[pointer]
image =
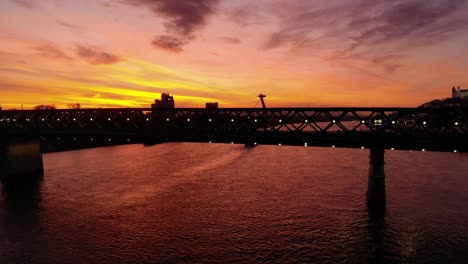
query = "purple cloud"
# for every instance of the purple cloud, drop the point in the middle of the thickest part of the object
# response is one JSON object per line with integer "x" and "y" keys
{"x": 169, "y": 43}
{"x": 182, "y": 19}
{"x": 94, "y": 55}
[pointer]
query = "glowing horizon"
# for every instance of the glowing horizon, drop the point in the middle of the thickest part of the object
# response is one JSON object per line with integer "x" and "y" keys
{"x": 125, "y": 53}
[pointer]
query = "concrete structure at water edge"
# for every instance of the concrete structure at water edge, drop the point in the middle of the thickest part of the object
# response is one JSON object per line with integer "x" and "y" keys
{"x": 376, "y": 197}
{"x": 20, "y": 158}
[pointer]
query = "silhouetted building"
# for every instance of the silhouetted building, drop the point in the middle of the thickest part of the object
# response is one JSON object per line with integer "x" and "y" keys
{"x": 167, "y": 101}
{"x": 459, "y": 93}
{"x": 211, "y": 105}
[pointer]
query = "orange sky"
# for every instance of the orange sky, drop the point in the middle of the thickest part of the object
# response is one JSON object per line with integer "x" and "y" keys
{"x": 124, "y": 53}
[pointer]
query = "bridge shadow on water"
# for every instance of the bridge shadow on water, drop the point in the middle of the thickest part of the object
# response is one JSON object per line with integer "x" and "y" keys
{"x": 24, "y": 194}
{"x": 376, "y": 233}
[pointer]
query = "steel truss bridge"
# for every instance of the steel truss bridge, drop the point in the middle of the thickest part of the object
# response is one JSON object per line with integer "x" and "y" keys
{"x": 443, "y": 129}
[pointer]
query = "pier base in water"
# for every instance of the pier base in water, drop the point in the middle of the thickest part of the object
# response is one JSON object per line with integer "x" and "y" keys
{"x": 19, "y": 159}
{"x": 376, "y": 197}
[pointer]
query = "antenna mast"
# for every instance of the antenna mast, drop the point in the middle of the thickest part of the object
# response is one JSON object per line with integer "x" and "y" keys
{"x": 261, "y": 96}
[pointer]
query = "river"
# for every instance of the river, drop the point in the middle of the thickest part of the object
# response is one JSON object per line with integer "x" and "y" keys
{"x": 223, "y": 203}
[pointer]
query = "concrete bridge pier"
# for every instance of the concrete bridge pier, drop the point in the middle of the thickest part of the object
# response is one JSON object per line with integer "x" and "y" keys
{"x": 20, "y": 159}
{"x": 376, "y": 198}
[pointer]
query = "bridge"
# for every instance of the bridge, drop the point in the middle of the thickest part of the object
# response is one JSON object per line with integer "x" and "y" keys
{"x": 376, "y": 129}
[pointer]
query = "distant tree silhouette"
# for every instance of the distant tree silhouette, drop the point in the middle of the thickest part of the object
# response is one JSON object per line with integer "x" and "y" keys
{"x": 74, "y": 106}
{"x": 446, "y": 103}
{"x": 44, "y": 107}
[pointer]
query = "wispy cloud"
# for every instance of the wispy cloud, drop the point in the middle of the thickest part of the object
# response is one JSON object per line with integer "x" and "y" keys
{"x": 248, "y": 14}
{"x": 423, "y": 22}
{"x": 95, "y": 55}
{"x": 52, "y": 51}
{"x": 231, "y": 40}
{"x": 26, "y": 3}
{"x": 367, "y": 22}
{"x": 375, "y": 30}
{"x": 67, "y": 25}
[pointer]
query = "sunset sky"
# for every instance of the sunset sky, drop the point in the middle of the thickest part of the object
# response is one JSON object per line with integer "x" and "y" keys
{"x": 124, "y": 53}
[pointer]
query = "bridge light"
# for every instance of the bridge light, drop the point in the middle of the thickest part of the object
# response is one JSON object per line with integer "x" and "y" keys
{"x": 334, "y": 121}
{"x": 255, "y": 143}
{"x": 91, "y": 139}
{"x": 91, "y": 119}
{"x": 14, "y": 120}
{"x": 255, "y": 120}
{"x": 232, "y": 142}
{"x": 456, "y": 123}
{"x": 333, "y": 146}
{"x": 280, "y": 120}
{"x": 147, "y": 119}
{"x": 424, "y": 122}
{"x": 305, "y": 144}
{"x": 307, "y": 121}
{"x": 167, "y": 119}
{"x": 392, "y": 149}
{"x": 209, "y": 120}
{"x": 108, "y": 119}
{"x": 128, "y": 140}
{"x": 363, "y": 121}
{"x": 362, "y": 147}
{"x": 109, "y": 139}
{"x": 279, "y": 144}
{"x": 42, "y": 119}
{"x": 74, "y": 139}
{"x": 209, "y": 142}
{"x": 393, "y": 122}
{"x": 27, "y": 119}
{"x": 232, "y": 120}
{"x": 58, "y": 119}
{"x": 128, "y": 119}
{"x": 455, "y": 151}
{"x": 74, "y": 119}
{"x": 188, "y": 119}
{"x": 423, "y": 150}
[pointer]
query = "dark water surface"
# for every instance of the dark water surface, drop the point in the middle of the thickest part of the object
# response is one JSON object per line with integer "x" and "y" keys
{"x": 214, "y": 203}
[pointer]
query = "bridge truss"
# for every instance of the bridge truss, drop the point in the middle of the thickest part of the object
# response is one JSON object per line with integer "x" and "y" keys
{"x": 444, "y": 129}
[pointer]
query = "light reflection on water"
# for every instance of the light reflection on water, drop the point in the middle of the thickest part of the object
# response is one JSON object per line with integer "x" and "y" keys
{"x": 214, "y": 203}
